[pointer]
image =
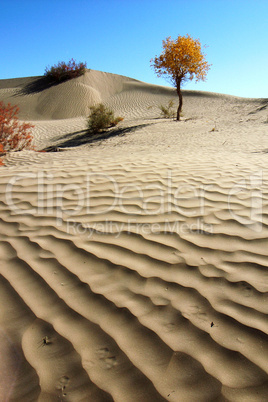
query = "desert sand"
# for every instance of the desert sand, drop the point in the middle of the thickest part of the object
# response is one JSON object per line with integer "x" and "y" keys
{"x": 134, "y": 264}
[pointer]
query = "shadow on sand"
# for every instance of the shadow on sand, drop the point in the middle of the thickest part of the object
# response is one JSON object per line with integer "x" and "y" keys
{"x": 36, "y": 86}
{"x": 83, "y": 137}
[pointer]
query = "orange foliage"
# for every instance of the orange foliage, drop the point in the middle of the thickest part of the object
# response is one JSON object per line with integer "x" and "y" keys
{"x": 181, "y": 60}
{"x": 14, "y": 136}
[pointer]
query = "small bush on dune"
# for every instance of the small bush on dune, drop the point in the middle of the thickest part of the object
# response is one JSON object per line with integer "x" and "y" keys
{"x": 101, "y": 118}
{"x": 14, "y": 135}
{"x": 65, "y": 71}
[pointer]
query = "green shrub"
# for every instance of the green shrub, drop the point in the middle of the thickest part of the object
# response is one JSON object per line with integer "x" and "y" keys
{"x": 101, "y": 118}
{"x": 167, "y": 112}
{"x": 65, "y": 71}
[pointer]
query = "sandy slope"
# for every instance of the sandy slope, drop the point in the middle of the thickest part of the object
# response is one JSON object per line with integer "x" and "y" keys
{"x": 134, "y": 266}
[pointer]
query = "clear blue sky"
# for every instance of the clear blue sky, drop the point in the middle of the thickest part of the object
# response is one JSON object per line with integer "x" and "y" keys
{"x": 121, "y": 36}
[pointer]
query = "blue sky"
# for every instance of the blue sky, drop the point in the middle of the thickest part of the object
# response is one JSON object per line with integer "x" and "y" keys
{"x": 121, "y": 36}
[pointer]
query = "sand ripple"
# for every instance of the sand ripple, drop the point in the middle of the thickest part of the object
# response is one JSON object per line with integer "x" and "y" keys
{"x": 126, "y": 298}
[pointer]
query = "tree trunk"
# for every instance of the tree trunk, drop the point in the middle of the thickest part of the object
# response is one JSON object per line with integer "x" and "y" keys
{"x": 180, "y": 99}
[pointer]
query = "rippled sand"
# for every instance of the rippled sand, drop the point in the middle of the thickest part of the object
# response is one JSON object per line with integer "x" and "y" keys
{"x": 134, "y": 266}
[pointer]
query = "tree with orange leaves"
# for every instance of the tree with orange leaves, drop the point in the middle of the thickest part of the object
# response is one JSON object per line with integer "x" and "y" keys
{"x": 181, "y": 60}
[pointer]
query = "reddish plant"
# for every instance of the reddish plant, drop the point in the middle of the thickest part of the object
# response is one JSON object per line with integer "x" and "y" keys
{"x": 65, "y": 71}
{"x": 14, "y": 136}
{"x": 1, "y": 151}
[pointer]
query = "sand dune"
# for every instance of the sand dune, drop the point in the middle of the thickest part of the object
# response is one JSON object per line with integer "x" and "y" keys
{"x": 134, "y": 265}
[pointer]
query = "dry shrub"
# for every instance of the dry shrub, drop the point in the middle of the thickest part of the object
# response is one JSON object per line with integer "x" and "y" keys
{"x": 167, "y": 112}
{"x": 65, "y": 71}
{"x": 14, "y": 135}
{"x": 101, "y": 118}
